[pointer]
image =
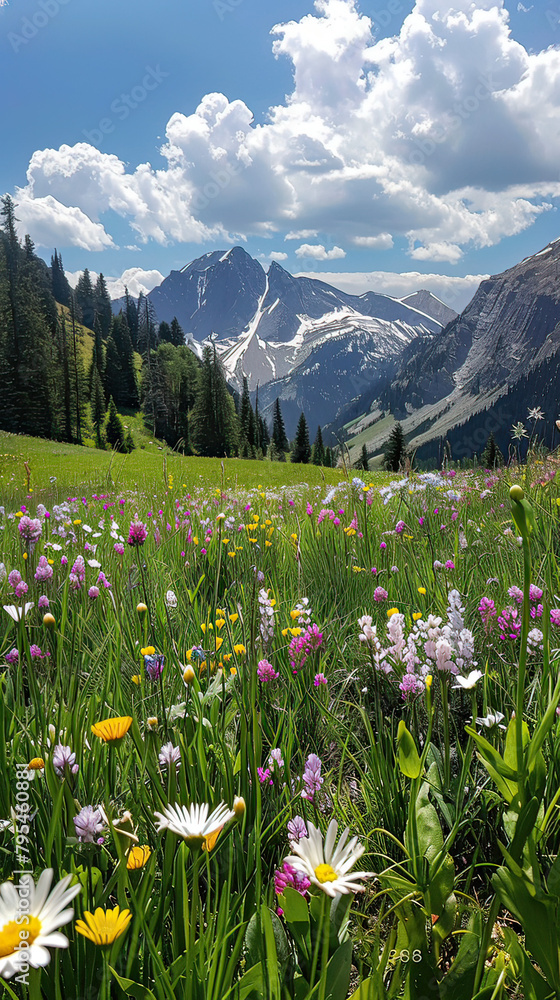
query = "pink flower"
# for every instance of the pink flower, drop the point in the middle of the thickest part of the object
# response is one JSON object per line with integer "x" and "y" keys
{"x": 399, "y": 527}
{"x": 119, "y": 548}
{"x": 21, "y": 589}
{"x": 93, "y": 592}
{"x": 380, "y": 594}
{"x": 137, "y": 533}
{"x": 266, "y": 672}
{"x": 319, "y": 679}
{"x": 44, "y": 571}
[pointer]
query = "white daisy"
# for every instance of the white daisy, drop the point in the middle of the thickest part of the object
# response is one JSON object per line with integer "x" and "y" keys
{"x": 194, "y": 824}
{"x": 18, "y": 613}
{"x": 468, "y": 682}
{"x": 327, "y": 866}
{"x": 32, "y": 917}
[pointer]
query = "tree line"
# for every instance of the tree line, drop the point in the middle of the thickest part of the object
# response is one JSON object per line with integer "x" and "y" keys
{"x": 136, "y": 364}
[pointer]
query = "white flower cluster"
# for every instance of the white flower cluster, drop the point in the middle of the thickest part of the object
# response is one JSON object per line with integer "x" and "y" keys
{"x": 266, "y": 609}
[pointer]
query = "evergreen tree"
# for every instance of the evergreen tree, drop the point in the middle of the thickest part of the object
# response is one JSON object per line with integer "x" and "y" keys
{"x": 131, "y": 313}
{"x": 302, "y": 449}
{"x": 97, "y": 407}
{"x": 491, "y": 456}
{"x": 85, "y": 299}
{"x": 363, "y": 462}
{"x": 247, "y": 423}
{"x": 64, "y": 354}
{"x": 264, "y": 434}
{"x": 114, "y": 430}
{"x": 59, "y": 281}
{"x": 318, "y": 449}
{"x": 164, "y": 332}
{"x": 120, "y": 369}
{"x": 177, "y": 333}
{"x": 129, "y": 442}
{"x": 279, "y": 438}
{"x": 214, "y": 423}
{"x": 103, "y": 308}
{"x": 395, "y": 451}
{"x": 328, "y": 459}
{"x": 78, "y": 378}
{"x": 97, "y": 357}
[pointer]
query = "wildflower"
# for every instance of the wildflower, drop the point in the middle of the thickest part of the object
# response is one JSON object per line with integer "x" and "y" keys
{"x": 487, "y": 610}
{"x": 18, "y": 613}
{"x": 492, "y": 719}
{"x": 286, "y": 876}
{"x": 43, "y": 603}
{"x": 119, "y": 548}
{"x": 169, "y": 756}
{"x": 64, "y": 760}
{"x": 297, "y": 829}
{"x": 78, "y": 573}
{"x": 141, "y": 609}
{"x": 312, "y": 778}
{"x": 239, "y": 649}
{"x": 450, "y": 564}
{"x": 266, "y": 672}
{"x": 137, "y": 533}
{"x": 422, "y": 590}
{"x": 110, "y": 730}
{"x": 194, "y": 825}
{"x": 40, "y": 919}
{"x": 49, "y": 620}
{"x": 104, "y": 926}
{"x": 89, "y": 823}
{"x": 468, "y": 682}
{"x": 518, "y": 432}
{"x": 171, "y": 599}
{"x": 21, "y": 590}
{"x": 152, "y": 722}
{"x": 154, "y": 665}
{"x": 239, "y": 806}
{"x": 36, "y": 654}
{"x": 12, "y": 656}
{"x": 137, "y": 857}
{"x": 147, "y": 651}
{"x": 93, "y": 592}
{"x": 399, "y": 527}
{"x": 535, "y": 414}
{"x": 326, "y": 866}
{"x": 30, "y": 530}
{"x": 188, "y": 676}
{"x": 319, "y": 679}
{"x": 43, "y": 572}
{"x": 14, "y": 578}
{"x": 392, "y": 611}
{"x": 36, "y": 764}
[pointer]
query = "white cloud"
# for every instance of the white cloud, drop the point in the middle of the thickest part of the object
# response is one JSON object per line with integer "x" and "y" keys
{"x": 445, "y": 134}
{"x": 456, "y": 292}
{"x": 382, "y": 242}
{"x": 277, "y": 255}
{"x": 318, "y": 252}
{"x": 134, "y": 278}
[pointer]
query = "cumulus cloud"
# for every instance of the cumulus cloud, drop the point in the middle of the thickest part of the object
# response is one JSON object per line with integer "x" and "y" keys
{"x": 444, "y": 134}
{"x": 456, "y": 292}
{"x": 277, "y": 255}
{"x": 317, "y": 251}
{"x": 134, "y": 278}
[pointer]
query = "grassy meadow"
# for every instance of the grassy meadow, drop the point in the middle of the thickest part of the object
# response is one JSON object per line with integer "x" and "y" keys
{"x": 271, "y": 731}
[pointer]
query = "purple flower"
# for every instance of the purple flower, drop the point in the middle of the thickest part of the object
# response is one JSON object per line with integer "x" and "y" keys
{"x": 64, "y": 760}
{"x": 516, "y": 594}
{"x": 14, "y": 578}
{"x": 102, "y": 581}
{"x": 319, "y": 679}
{"x": 487, "y": 610}
{"x": 12, "y": 656}
{"x": 410, "y": 686}
{"x": 78, "y": 573}
{"x": 265, "y": 775}
{"x": 21, "y": 589}
{"x": 93, "y": 592}
{"x": 383, "y": 545}
{"x": 43, "y": 603}
{"x": 312, "y": 779}
{"x": 154, "y": 665}
{"x": 450, "y": 564}
{"x": 555, "y": 616}
{"x": 288, "y": 876}
{"x": 169, "y": 756}
{"x": 380, "y": 594}
{"x": 89, "y": 823}
{"x": 399, "y": 527}
{"x": 44, "y": 571}
{"x": 535, "y": 593}
{"x": 30, "y": 529}
{"x": 119, "y": 548}
{"x": 297, "y": 829}
{"x": 36, "y": 653}
{"x": 266, "y": 672}
{"x": 64, "y": 560}
{"x": 137, "y": 533}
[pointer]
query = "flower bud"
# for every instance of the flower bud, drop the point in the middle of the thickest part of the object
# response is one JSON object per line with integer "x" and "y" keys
{"x": 188, "y": 675}
{"x": 239, "y": 806}
{"x": 49, "y": 620}
{"x": 141, "y": 609}
{"x": 152, "y": 722}
{"x": 516, "y": 493}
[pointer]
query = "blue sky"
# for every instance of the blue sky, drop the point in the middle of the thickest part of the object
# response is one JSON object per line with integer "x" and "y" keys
{"x": 377, "y": 139}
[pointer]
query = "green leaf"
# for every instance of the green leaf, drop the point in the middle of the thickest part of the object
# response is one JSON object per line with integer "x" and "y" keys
{"x": 491, "y": 755}
{"x": 251, "y": 984}
{"x": 459, "y": 981}
{"x": 409, "y": 761}
{"x": 133, "y": 989}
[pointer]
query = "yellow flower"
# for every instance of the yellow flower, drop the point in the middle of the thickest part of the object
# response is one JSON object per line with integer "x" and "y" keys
{"x": 295, "y": 631}
{"x": 219, "y": 641}
{"x": 188, "y": 675}
{"x": 268, "y": 545}
{"x": 285, "y": 632}
{"x": 152, "y": 723}
{"x": 428, "y": 681}
{"x": 25, "y": 555}
{"x": 220, "y": 622}
{"x": 104, "y": 926}
{"x": 50, "y": 562}
{"x": 110, "y": 730}
{"x": 36, "y": 764}
{"x": 293, "y": 537}
{"x": 136, "y": 679}
{"x": 147, "y": 651}
{"x": 231, "y": 554}
{"x": 137, "y": 856}
{"x": 421, "y": 590}
{"x": 227, "y": 657}
{"x": 239, "y": 649}
{"x": 19, "y": 513}
{"x": 417, "y": 615}
{"x": 392, "y": 611}
{"x": 225, "y": 541}
{"x": 77, "y": 521}
{"x": 295, "y": 614}
{"x": 141, "y": 609}
{"x": 233, "y": 671}
{"x": 204, "y": 627}
{"x": 239, "y": 806}
{"x": 195, "y": 539}
{"x": 268, "y": 521}
{"x": 233, "y": 618}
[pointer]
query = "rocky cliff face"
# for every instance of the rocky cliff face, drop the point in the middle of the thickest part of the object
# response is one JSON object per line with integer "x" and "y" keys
{"x": 492, "y": 343}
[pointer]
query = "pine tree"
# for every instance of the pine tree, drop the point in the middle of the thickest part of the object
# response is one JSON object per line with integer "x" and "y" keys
{"x": 103, "y": 308}
{"x": 77, "y": 374}
{"x": 395, "y": 451}
{"x": 131, "y": 313}
{"x": 85, "y": 299}
{"x": 363, "y": 462}
{"x": 214, "y": 423}
{"x": 164, "y": 332}
{"x": 302, "y": 449}
{"x": 247, "y": 422}
{"x": 279, "y": 438}
{"x": 97, "y": 407}
{"x": 328, "y": 458}
{"x": 120, "y": 370}
{"x": 114, "y": 430}
{"x": 177, "y": 333}
{"x": 97, "y": 356}
{"x": 491, "y": 456}
{"x": 59, "y": 281}
{"x": 318, "y": 449}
